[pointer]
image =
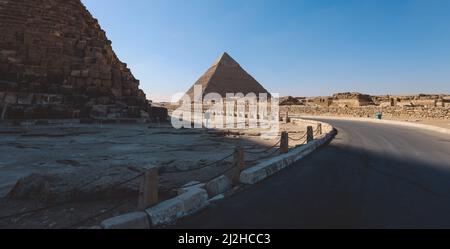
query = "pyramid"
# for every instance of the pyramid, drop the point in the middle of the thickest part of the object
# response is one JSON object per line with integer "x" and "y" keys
{"x": 227, "y": 76}
{"x": 54, "y": 54}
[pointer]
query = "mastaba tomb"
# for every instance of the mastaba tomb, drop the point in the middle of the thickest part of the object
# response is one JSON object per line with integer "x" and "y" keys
{"x": 57, "y": 62}
{"x": 227, "y": 76}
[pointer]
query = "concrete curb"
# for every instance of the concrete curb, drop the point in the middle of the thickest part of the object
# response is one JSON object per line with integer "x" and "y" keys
{"x": 383, "y": 121}
{"x": 166, "y": 212}
{"x": 183, "y": 205}
{"x": 265, "y": 169}
{"x": 218, "y": 186}
{"x": 135, "y": 220}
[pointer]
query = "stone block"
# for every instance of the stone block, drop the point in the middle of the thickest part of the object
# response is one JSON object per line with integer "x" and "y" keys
{"x": 10, "y": 98}
{"x": 85, "y": 73}
{"x": 217, "y": 198}
{"x": 169, "y": 211}
{"x": 166, "y": 212}
{"x": 193, "y": 200}
{"x": 99, "y": 110}
{"x": 25, "y": 99}
{"x": 135, "y": 220}
{"x": 75, "y": 73}
{"x": 218, "y": 186}
{"x": 187, "y": 187}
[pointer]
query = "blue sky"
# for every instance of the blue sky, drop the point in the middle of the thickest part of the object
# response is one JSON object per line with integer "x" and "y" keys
{"x": 300, "y": 48}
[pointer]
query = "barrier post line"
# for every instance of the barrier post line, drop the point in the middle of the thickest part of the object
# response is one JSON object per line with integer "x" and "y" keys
{"x": 309, "y": 134}
{"x": 319, "y": 129}
{"x": 148, "y": 192}
{"x": 239, "y": 164}
{"x": 284, "y": 143}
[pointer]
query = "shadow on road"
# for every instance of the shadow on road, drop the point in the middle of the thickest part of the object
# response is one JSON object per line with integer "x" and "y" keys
{"x": 341, "y": 186}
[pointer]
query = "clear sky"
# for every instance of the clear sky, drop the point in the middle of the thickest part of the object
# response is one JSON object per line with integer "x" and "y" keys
{"x": 300, "y": 48}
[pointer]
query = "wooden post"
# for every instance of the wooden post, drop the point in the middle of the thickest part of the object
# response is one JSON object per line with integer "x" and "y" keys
{"x": 284, "y": 144}
{"x": 5, "y": 107}
{"x": 319, "y": 129}
{"x": 309, "y": 134}
{"x": 286, "y": 118}
{"x": 148, "y": 192}
{"x": 239, "y": 163}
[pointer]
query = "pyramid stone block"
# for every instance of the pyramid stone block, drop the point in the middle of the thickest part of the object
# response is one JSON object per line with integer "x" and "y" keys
{"x": 56, "y": 47}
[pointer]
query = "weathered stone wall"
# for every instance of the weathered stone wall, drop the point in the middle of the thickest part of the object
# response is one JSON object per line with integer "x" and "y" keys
{"x": 22, "y": 105}
{"x": 370, "y": 111}
{"x": 56, "y": 46}
{"x": 55, "y": 56}
{"x": 351, "y": 99}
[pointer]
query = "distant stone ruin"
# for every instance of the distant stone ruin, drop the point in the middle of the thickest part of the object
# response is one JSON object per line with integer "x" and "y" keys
{"x": 359, "y": 100}
{"x": 421, "y": 106}
{"x": 56, "y": 62}
{"x": 351, "y": 100}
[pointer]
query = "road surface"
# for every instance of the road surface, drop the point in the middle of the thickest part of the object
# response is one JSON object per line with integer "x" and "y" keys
{"x": 370, "y": 176}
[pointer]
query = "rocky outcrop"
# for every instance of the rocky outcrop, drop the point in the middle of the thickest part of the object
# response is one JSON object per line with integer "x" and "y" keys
{"x": 56, "y": 62}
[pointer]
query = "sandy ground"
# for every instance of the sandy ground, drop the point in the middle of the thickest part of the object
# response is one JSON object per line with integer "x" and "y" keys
{"x": 58, "y": 149}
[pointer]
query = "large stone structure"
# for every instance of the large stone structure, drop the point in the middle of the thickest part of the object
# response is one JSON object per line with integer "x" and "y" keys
{"x": 351, "y": 100}
{"x": 419, "y": 113}
{"x": 227, "y": 76}
{"x": 56, "y": 62}
{"x": 421, "y": 106}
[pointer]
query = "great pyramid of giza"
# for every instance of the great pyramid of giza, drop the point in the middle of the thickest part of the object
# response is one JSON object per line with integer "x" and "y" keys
{"x": 56, "y": 62}
{"x": 227, "y": 76}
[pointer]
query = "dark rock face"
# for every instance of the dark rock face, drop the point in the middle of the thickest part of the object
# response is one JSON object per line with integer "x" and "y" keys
{"x": 56, "y": 62}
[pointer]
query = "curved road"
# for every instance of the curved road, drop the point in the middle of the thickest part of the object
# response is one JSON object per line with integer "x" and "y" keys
{"x": 370, "y": 176}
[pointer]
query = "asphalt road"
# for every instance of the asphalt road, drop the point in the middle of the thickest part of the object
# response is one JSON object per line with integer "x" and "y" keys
{"x": 370, "y": 176}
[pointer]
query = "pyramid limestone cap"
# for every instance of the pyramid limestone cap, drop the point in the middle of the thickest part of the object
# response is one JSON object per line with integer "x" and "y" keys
{"x": 225, "y": 59}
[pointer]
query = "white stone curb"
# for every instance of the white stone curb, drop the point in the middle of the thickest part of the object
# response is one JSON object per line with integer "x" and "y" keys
{"x": 171, "y": 210}
{"x": 265, "y": 169}
{"x": 384, "y": 121}
{"x": 166, "y": 212}
{"x": 218, "y": 186}
{"x": 135, "y": 220}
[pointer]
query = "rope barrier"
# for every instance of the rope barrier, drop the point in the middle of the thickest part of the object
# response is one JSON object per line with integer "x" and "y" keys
{"x": 299, "y": 139}
{"x": 317, "y": 132}
{"x": 209, "y": 179}
{"x": 264, "y": 151}
{"x": 202, "y": 167}
{"x": 265, "y": 157}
